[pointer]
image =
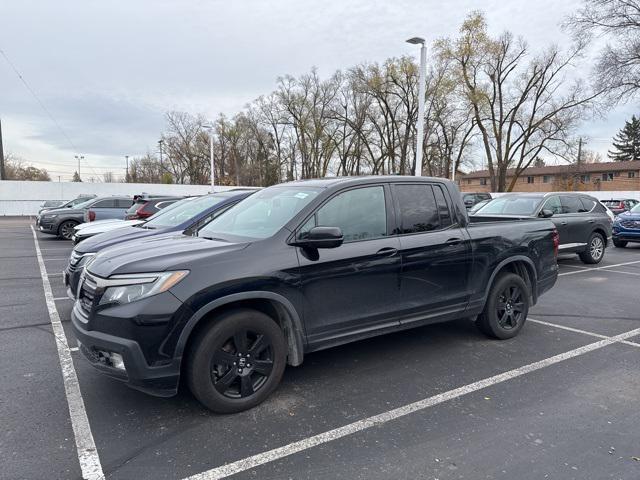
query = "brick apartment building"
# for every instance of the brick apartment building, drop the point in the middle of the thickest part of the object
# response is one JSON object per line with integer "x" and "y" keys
{"x": 589, "y": 177}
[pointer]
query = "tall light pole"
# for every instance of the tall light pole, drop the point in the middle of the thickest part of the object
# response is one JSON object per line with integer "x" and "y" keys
{"x": 126, "y": 178}
{"x": 78, "y": 158}
{"x": 421, "y": 87}
{"x": 209, "y": 127}
{"x": 160, "y": 143}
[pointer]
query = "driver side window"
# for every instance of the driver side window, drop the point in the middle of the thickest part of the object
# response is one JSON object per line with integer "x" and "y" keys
{"x": 360, "y": 213}
{"x": 553, "y": 204}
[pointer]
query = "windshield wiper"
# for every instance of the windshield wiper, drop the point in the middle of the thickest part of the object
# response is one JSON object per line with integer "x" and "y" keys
{"x": 215, "y": 239}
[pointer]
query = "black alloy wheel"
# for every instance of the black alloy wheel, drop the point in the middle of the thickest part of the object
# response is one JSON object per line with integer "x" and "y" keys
{"x": 505, "y": 311}
{"x": 236, "y": 360}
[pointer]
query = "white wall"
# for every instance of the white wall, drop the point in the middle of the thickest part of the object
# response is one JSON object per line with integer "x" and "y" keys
{"x": 25, "y": 198}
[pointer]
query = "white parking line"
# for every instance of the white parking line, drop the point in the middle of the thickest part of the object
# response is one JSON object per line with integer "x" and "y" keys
{"x": 382, "y": 418}
{"x": 85, "y": 445}
{"x": 599, "y": 268}
{"x": 577, "y": 330}
{"x": 626, "y": 273}
{"x": 59, "y": 299}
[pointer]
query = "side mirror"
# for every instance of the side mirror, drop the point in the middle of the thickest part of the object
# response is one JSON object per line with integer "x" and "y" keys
{"x": 320, "y": 237}
{"x": 546, "y": 213}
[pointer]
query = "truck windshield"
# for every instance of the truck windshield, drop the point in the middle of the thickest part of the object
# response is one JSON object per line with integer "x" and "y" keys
{"x": 261, "y": 215}
{"x": 509, "y": 205}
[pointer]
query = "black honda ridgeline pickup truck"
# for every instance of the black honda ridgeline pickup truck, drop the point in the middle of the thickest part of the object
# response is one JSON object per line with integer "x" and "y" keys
{"x": 299, "y": 267}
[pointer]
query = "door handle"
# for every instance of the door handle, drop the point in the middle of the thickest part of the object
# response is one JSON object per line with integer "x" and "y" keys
{"x": 564, "y": 223}
{"x": 387, "y": 251}
{"x": 453, "y": 241}
{"x": 591, "y": 221}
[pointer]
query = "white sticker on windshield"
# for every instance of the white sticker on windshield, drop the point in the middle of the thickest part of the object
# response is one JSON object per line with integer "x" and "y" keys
{"x": 301, "y": 195}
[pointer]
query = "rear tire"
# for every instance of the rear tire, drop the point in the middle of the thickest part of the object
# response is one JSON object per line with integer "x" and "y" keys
{"x": 237, "y": 362}
{"x": 619, "y": 243}
{"x": 595, "y": 250}
{"x": 506, "y": 309}
{"x": 65, "y": 230}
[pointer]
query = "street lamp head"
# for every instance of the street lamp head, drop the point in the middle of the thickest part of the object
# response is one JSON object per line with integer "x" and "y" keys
{"x": 416, "y": 41}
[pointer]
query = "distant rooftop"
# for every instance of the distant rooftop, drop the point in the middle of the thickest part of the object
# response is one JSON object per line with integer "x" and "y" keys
{"x": 555, "y": 169}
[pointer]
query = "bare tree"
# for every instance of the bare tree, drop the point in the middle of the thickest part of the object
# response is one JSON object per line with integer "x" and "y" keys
{"x": 618, "y": 22}
{"x": 523, "y": 106}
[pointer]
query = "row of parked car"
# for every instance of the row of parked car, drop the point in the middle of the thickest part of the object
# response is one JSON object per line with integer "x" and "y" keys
{"x": 224, "y": 290}
{"x": 65, "y": 219}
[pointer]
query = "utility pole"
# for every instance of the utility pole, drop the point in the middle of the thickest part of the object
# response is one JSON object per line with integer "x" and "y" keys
{"x": 2, "y": 172}
{"x": 579, "y": 162}
{"x": 126, "y": 178}
{"x": 209, "y": 127}
{"x": 160, "y": 143}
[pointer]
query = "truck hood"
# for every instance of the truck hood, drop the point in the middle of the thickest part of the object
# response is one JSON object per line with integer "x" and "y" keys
{"x": 158, "y": 254}
{"x": 61, "y": 211}
{"x": 94, "y": 228}
{"x": 125, "y": 234}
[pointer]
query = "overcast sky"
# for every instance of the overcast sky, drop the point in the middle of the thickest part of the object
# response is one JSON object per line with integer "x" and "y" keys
{"x": 108, "y": 71}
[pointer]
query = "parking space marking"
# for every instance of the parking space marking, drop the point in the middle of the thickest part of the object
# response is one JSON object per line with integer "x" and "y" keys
{"x": 577, "y": 330}
{"x": 625, "y": 273}
{"x": 599, "y": 268}
{"x": 248, "y": 463}
{"x": 573, "y": 266}
{"x": 85, "y": 445}
{"x": 59, "y": 299}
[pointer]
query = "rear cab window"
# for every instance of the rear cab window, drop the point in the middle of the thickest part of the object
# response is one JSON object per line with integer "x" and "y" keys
{"x": 421, "y": 208}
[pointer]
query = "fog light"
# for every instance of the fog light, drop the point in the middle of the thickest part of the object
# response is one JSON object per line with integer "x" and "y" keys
{"x": 117, "y": 361}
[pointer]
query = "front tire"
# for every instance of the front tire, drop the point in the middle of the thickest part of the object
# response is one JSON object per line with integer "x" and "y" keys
{"x": 595, "y": 250}
{"x": 65, "y": 230}
{"x": 506, "y": 309}
{"x": 237, "y": 362}
{"x": 619, "y": 243}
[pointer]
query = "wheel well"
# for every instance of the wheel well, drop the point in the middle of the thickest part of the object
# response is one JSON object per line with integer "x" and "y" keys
{"x": 523, "y": 270}
{"x": 601, "y": 232}
{"x": 66, "y": 221}
{"x": 272, "y": 309}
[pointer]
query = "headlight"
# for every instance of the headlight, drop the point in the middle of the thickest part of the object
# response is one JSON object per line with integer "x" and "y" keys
{"x": 86, "y": 259}
{"x": 134, "y": 287}
{"x": 54, "y": 215}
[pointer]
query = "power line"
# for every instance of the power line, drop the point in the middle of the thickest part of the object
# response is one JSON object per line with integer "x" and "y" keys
{"x": 43, "y": 106}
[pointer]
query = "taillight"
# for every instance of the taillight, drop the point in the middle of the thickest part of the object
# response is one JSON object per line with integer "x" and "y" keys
{"x": 92, "y": 215}
{"x": 556, "y": 241}
{"x": 141, "y": 213}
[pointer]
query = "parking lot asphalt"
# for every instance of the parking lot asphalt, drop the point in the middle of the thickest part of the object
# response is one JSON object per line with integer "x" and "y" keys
{"x": 439, "y": 402}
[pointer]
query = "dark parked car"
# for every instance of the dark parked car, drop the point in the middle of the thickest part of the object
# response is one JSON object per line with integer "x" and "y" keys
{"x": 186, "y": 215}
{"x": 470, "y": 199}
{"x": 626, "y": 227}
{"x": 61, "y": 221}
{"x": 144, "y": 207}
{"x": 581, "y": 220}
{"x": 620, "y": 206}
{"x": 300, "y": 267}
{"x": 67, "y": 204}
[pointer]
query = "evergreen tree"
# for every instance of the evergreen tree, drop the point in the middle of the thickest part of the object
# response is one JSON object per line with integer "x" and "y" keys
{"x": 627, "y": 142}
{"x": 76, "y": 177}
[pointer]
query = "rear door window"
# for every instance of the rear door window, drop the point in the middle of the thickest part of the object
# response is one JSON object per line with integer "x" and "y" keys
{"x": 587, "y": 204}
{"x": 123, "y": 203}
{"x": 417, "y": 208}
{"x": 571, "y": 204}
{"x": 110, "y": 203}
{"x": 443, "y": 207}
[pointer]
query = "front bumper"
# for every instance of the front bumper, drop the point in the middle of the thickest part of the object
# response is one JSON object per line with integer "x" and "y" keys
{"x": 47, "y": 227}
{"x": 136, "y": 333}
{"x": 626, "y": 235}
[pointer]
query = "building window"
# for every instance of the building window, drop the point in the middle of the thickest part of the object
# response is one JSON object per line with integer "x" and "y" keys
{"x": 529, "y": 179}
{"x": 483, "y": 181}
{"x": 632, "y": 174}
{"x": 468, "y": 181}
{"x": 546, "y": 178}
{"x": 607, "y": 177}
{"x": 585, "y": 178}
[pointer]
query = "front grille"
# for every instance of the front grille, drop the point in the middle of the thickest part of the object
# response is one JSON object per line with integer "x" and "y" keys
{"x": 88, "y": 293}
{"x": 631, "y": 224}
